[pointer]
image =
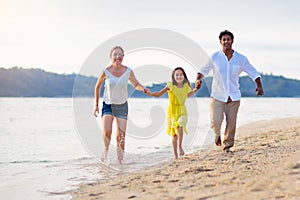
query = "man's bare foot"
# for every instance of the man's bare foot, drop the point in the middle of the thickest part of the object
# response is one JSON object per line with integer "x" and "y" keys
{"x": 104, "y": 156}
{"x": 227, "y": 151}
{"x": 218, "y": 140}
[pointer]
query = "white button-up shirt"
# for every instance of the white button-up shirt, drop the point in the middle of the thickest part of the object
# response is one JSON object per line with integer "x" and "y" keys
{"x": 226, "y": 74}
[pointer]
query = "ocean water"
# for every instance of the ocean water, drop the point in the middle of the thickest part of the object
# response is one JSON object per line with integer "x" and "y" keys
{"x": 44, "y": 153}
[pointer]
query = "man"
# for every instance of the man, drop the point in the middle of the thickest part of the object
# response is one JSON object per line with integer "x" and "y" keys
{"x": 227, "y": 64}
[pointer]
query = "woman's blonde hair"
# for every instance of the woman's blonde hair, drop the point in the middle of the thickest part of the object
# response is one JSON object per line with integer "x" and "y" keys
{"x": 114, "y": 48}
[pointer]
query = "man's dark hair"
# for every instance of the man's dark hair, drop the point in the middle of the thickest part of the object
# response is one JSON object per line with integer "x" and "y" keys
{"x": 226, "y": 32}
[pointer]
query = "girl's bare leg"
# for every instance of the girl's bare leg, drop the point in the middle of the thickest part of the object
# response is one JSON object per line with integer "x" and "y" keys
{"x": 107, "y": 121}
{"x": 180, "y": 137}
{"x": 121, "y": 132}
{"x": 174, "y": 142}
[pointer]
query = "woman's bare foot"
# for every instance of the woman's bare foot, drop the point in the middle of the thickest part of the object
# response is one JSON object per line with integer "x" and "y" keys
{"x": 120, "y": 154}
{"x": 104, "y": 156}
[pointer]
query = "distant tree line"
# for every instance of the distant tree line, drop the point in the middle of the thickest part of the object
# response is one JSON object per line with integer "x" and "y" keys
{"x": 19, "y": 82}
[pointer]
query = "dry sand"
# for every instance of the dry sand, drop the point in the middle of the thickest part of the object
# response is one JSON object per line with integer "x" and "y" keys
{"x": 265, "y": 164}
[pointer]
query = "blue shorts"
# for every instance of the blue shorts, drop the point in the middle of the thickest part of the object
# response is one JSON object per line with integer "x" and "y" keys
{"x": 116, "y": 110}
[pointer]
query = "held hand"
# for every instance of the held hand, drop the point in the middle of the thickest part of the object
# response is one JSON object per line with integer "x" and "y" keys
{"x": 146, "y": 90}
{"x": 198, "y": 83}
{"x": 259, "y": 91}
{"x": 96, "y": 111}
{"x": 149, "y": 93}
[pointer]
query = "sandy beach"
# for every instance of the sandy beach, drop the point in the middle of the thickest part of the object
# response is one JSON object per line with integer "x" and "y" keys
{"x": 265, "y": 164}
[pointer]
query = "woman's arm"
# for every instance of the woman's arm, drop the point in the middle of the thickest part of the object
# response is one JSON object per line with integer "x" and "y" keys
{"x": 100, "y": 80}
{"x": 136, "y": 84}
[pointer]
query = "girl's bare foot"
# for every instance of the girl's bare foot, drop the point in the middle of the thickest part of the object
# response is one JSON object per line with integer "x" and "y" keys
{"x": 181, "y": 152}
{"x": 175, "y": 156}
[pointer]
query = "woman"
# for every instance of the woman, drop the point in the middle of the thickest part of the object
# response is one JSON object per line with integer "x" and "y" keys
{"x": 115, "y": 97}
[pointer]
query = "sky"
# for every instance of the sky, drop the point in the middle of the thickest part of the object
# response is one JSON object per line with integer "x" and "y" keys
{"x": 58, "y": 36}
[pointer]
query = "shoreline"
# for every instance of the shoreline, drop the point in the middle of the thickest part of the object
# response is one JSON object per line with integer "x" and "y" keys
{"x": 265, "y": 164}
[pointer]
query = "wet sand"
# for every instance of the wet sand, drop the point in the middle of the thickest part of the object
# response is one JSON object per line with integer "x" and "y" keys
{"x": 265, "y": 164}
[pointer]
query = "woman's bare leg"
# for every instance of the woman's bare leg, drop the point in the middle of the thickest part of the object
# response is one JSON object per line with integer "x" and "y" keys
{"x": 107, "y": 121}
{"x": 121, "y": 133}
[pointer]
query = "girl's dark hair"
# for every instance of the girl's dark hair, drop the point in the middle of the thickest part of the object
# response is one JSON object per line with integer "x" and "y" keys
{"x": 186, "y": 80}
{"x": 226, "y": 32}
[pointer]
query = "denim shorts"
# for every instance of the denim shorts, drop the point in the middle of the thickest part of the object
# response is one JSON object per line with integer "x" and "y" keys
{"x": 116, "y": 110}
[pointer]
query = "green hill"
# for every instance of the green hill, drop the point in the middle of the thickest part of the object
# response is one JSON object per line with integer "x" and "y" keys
{"x": 19, "y": 82}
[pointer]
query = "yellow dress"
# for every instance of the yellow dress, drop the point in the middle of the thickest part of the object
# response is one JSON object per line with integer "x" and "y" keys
{"x": 177, "y": 113}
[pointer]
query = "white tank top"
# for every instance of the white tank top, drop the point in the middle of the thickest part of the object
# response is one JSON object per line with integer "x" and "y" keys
{"x": 115, "y": 91}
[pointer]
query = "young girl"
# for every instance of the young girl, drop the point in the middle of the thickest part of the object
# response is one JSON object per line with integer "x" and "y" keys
{"x": 178, "y": 90}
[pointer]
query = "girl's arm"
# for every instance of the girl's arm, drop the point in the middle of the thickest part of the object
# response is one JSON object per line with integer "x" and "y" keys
{"x": 192, "y": 92}
{"x": 100, "y": 80}
{"x": 159, "y": 93}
